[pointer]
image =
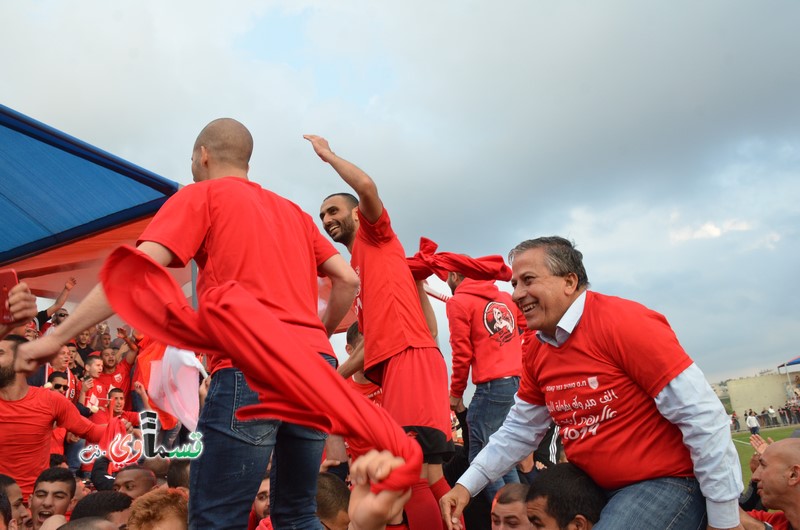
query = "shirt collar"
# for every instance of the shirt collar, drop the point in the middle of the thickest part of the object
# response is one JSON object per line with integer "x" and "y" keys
{"x": 567, "y": 323}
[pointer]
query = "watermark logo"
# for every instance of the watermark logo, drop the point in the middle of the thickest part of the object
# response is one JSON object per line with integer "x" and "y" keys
{"x": 125, "y": 450}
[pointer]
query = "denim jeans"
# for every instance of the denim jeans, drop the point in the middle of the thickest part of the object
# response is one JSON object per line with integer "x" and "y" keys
{"x": 487, "y": 411}
{"x": 225, "y": 478}
{"x": 672, "y": 503}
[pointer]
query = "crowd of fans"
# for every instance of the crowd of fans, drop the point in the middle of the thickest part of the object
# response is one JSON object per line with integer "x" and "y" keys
{"x": 587, "y": 411}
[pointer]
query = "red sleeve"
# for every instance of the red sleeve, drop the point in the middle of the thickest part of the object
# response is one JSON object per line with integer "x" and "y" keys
{"x": 378, "y": 233}
{"x": 67, "y": 416}
{"x": 181, "y": 224}
{"x": 645, "y": 334}
{"x": 461, "y": 346}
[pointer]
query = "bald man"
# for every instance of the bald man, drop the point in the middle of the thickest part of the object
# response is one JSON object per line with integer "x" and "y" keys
{"x": 229, "y": 226}
{"x": 778, "y": 480}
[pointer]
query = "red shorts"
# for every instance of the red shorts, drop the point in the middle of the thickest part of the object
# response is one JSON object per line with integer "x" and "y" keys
{"x": 415, "y": 394}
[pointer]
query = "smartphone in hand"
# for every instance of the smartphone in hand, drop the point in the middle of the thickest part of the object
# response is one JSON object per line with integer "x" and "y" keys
{"x": 8, "y": 279}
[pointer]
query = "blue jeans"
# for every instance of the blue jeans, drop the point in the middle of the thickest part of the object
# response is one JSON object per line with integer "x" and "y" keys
{"x": 487, "y": 411}
{"x": 660, "y": 504}
{"x": 225, "y": 478}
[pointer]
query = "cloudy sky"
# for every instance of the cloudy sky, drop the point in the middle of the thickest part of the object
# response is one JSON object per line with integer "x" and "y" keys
{"x": 662, "y": 137}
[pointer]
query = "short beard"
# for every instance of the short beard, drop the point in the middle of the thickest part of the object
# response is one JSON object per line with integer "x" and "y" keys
{"x": 7, "y": 376}
{"x": 347, "y": 230}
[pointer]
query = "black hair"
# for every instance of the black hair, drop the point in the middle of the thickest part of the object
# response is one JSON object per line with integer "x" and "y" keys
{"x": 56, "y": 459}
{"x": 62, "y": 375}
{"x": 57, "y": 474}
{"x": 5, "y": 508}
{"x": 569, "y": 492}
{"x": 351, "y": 199}
{"x": 352, "y": 334}
{"x": 100, "y": 504}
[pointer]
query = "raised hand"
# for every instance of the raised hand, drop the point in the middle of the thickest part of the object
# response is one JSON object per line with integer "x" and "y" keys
{"x": 321, "y": 146}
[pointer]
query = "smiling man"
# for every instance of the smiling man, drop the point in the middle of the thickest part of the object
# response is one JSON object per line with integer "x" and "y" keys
{"x": 621, "y": 389}
{"x": 52, "y": 494}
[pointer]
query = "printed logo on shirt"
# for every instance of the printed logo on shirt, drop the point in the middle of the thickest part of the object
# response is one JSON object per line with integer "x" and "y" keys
{"x": 499, "y": 322}
{"x": 118, "y": 378}
{"x": 578, "y": 412}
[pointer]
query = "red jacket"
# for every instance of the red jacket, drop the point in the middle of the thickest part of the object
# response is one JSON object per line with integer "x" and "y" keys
{"x": 483, "y": 334}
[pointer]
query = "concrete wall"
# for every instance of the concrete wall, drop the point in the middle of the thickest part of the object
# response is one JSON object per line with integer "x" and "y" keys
{"x": 758, "y": 393}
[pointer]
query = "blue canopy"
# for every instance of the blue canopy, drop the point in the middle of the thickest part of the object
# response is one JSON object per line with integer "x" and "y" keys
{"x": 55, "y": 189}
{"x": 794, "y": 361}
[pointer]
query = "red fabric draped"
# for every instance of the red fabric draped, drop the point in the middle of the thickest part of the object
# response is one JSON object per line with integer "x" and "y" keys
{"x": 427, "y": 261}
{"x": 294, "y": 384}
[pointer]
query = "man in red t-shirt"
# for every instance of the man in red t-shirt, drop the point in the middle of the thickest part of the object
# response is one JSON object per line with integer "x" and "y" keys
{"x": 621, "y": 389}
{"x": 26, "y": 420}
{"x": 115, "y": 408}
{"x": 117, "y": 373}
{"x": 237, "y": 231}
{"x": 93, "y": 394}
{"x": 400, "y": 353}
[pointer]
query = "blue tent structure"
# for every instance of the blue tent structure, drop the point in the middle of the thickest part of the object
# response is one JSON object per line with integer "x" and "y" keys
{"x": 793, "y": 362}
{"x": 66, "y": 204}
{"x": 55, "y": 188}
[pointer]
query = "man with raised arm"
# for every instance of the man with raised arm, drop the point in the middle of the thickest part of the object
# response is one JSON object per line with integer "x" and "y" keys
{"x": 399, "y": 351}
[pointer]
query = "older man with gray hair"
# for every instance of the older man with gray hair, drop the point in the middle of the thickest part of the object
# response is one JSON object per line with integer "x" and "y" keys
{"x": 633, "y": 410}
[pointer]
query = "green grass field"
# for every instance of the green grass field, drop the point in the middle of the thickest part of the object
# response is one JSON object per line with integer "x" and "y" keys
{"x": 741, "y": 440}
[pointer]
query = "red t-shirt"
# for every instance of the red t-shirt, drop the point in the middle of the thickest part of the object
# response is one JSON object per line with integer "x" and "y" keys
{"x": 101, "y": 417}
{"x": 236, "y": 230}
{"x": 121, "y": 378}
{"x": 483, "y": 335}
{"x": 600, "y": 388}
{"x": 26, "y": 427}
{"x": 371, "y": 391}
{"x": 387, "y": 304}
{"x": 776, "y": 519}
{"x": 97, "y": 395}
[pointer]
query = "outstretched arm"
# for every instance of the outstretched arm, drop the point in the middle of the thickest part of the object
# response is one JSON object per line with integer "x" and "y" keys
{"x": 94, "y": 308}
{"x": 370, "y": 203}
{"x": 62, "y": 298}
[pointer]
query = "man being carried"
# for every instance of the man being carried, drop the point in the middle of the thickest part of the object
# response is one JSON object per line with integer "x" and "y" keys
{"x": 614, "y": 378}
